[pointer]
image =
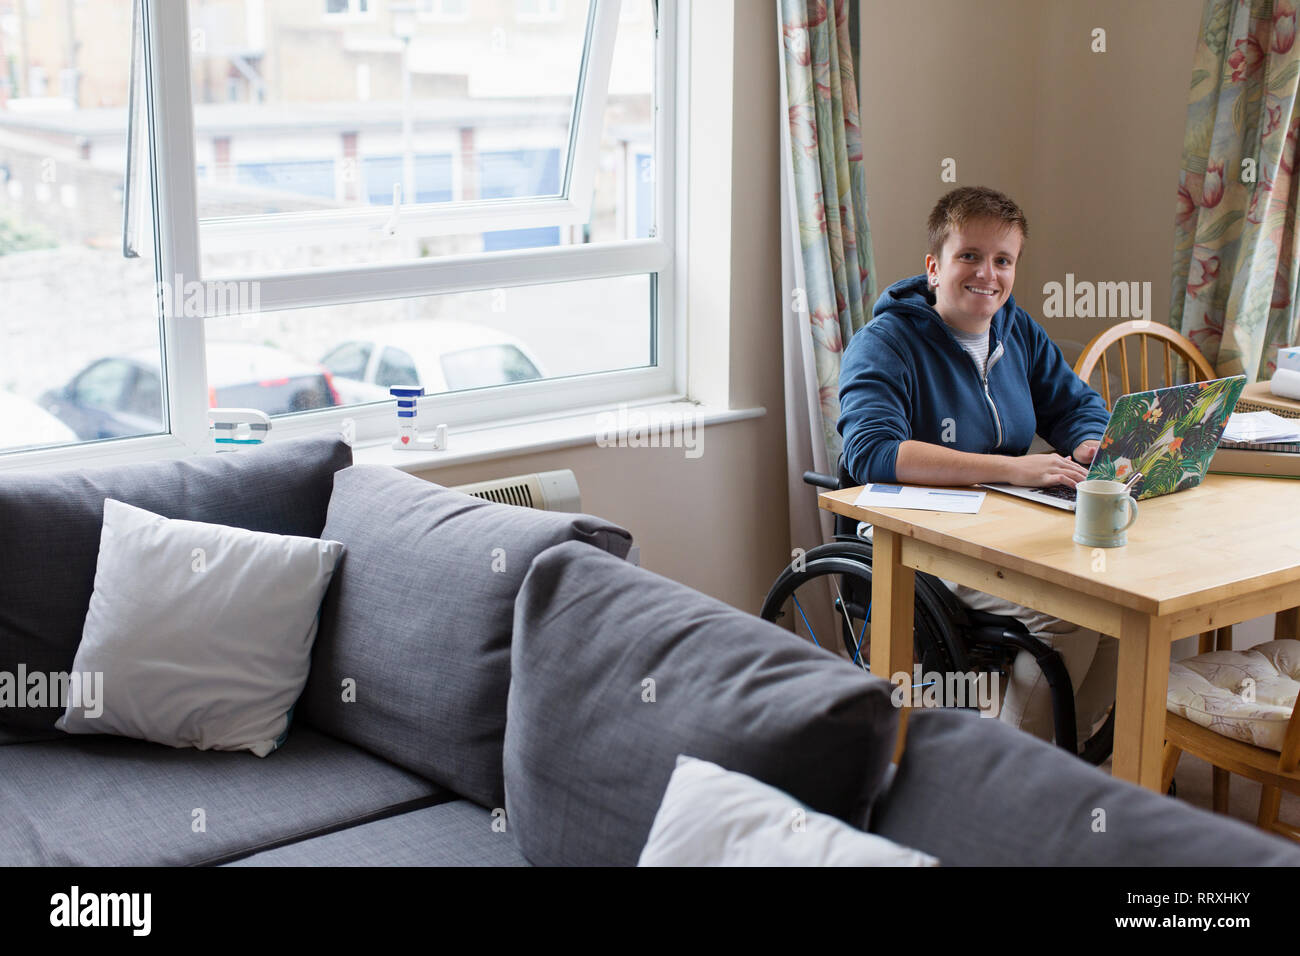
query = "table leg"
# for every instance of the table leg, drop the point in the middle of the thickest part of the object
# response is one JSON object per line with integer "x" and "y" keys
{"x": 1287, "y": 626}
{"x": 893, "y": 596}
{"x": 893, "y": 599}
{"x": 1141, "y": 687}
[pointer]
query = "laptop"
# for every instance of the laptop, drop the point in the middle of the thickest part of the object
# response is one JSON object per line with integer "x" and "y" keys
{"x": 1167, "y": 434}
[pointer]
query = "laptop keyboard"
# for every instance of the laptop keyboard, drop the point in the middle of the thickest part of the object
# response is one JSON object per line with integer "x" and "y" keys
{"x": 1059, "y": 491}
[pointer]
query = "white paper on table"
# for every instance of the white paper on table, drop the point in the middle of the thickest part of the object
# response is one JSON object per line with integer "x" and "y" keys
{"x": 1261, "y": 427}
{"x": 920, "y": 498}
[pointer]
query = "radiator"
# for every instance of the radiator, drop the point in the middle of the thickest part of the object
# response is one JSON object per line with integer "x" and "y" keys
{"x": 545, "y": 491}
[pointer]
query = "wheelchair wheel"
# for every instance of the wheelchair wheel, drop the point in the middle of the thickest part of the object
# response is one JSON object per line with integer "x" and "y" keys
{"x": 840, "y": 573}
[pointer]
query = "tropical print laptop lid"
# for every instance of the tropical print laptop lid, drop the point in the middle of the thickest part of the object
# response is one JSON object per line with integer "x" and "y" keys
{"x": 1168, "y": 434}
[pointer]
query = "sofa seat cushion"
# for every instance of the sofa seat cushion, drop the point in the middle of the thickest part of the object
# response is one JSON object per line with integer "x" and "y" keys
{"x": 617, "y": 670}
{"x": 50, "y": 523}
{"x": 112, "y": 801}
{"x": 977, "y": 792}
{"x": 458, "y": 833}
{"x": 1246, "y": 695}
{"x": 412, "y": 660}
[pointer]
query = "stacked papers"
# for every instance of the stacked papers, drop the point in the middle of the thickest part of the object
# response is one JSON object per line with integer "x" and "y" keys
{"x": 1261, "y": 427}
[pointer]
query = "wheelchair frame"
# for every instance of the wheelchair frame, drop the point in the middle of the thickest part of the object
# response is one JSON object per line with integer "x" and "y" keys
{"x": 945, "y": 629}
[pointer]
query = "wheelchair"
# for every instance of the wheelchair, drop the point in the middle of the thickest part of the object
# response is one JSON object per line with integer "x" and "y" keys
{"x": 949, "y": 638}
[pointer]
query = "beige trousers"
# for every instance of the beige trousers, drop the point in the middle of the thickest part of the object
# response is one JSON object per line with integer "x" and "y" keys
{"x": 1091, "y": 659}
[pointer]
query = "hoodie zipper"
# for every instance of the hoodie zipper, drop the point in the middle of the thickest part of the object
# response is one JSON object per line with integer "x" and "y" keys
{"x": 988, "y": 367}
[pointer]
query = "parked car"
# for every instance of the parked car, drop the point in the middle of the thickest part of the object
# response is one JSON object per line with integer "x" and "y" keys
{"x": 24, "y": 424}
{"x": 119, "y": 396}
{"x": 442, "y": 356}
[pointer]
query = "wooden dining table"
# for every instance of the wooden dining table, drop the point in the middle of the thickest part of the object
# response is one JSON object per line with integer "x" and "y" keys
{"x": 1212, "y": 556}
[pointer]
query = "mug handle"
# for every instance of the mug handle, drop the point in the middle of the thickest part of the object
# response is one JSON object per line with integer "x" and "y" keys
{"x": 1133, "y": 512}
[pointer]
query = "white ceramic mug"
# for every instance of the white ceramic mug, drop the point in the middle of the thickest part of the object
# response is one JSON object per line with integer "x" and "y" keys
{"x": 1103, "y": 513}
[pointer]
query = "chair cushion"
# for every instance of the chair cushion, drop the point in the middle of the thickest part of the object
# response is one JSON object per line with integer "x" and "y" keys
{"x": 112, "y": 801}
{"x": 50, "y": 525}
{"x": 1246, "y": 695}
{"x": 418, "y": 619}
{"x": 458, "y": 833}
{"x": 617, "y": 670}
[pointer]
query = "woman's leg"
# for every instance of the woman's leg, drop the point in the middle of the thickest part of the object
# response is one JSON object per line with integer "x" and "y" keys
{"x": 1028, "y": 704}
{"x": 1090, "y": 659}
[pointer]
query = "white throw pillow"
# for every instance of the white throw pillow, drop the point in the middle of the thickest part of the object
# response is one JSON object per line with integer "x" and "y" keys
{"x": 715, "y": 817}
{"x": 202, "y": 633}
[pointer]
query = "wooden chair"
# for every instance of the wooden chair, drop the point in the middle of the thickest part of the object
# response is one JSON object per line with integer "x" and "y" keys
{"x": 1225, "y": 755}
{"x": 1118, "y": 336}
{"x": 1275, "y": 771}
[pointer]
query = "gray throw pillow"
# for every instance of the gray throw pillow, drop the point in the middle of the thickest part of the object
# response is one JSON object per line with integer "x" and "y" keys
{"x": 617, "y": 670}
{"x": 198, "y": 635}
{"x": 413, "y": 658}
{"x": 50, "y": 524}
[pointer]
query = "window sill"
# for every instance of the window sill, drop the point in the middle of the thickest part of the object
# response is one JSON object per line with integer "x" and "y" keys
{"x": 605, "y": 424}
{"x": 624, "y": 425}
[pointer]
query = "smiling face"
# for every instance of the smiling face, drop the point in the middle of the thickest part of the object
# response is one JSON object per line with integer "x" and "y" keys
{"x": 972, "y": 279}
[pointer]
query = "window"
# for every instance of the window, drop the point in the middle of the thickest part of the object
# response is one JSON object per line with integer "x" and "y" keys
{"x": 539, "y": 10}
{"x": 446, "y": 10}
{"x": 78, "y": 320}
{"x": 355, "y": 8}
{"x": 102, "y": 387}
{"x": 470, "y": 197}
{"x": 396, "y": 367}
{"x": 487, "y": 366}
{"x": 349, "y": 360}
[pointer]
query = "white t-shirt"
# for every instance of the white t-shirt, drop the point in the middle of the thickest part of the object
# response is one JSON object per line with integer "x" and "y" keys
{"x": 976, "y": 343}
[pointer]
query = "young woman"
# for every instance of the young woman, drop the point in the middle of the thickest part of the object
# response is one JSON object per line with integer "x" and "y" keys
{"x": 948, "y": 384}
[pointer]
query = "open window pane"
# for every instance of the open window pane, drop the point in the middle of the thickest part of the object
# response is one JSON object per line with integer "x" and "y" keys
{"x": 79, "y": 322}
{"x": 296, "y": 360}
{"x": 311, "y": 119}
{"x": 297, "y": 111}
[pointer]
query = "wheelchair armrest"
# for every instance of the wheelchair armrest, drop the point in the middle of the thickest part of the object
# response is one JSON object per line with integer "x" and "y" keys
{"x": 999, "y": 621}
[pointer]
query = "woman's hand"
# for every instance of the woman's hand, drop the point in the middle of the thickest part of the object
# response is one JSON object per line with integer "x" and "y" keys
{"x": 1086, "y": 451}
{"x": 1039, "y": 470}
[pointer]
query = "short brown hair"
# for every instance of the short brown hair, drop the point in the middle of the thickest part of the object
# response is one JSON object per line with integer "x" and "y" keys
{"x": 968, "y": 203}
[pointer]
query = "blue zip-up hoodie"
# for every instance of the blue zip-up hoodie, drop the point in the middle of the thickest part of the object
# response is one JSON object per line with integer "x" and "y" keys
{"x": 904, "y": 376}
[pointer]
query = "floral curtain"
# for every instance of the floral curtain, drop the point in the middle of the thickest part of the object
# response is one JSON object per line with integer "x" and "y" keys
{"x": 825, "y": 177}
{"x": 1236, "y": 254}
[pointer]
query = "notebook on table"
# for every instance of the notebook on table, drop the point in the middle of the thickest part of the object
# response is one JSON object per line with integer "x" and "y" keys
{"x": 1169, "y": 435}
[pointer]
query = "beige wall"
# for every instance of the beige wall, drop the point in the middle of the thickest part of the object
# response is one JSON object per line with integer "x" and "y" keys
{"x": 1087, "y": 143}
{"x": 717, "y": 522}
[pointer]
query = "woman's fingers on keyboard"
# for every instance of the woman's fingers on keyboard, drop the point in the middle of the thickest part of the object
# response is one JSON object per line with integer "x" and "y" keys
{"x": 1069, "y": 472}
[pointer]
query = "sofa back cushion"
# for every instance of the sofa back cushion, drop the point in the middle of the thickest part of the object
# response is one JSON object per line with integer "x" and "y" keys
{"x": 977, "y": 792}
{"x": 617, "y": 670}
{"x": 50, "y": 526}
{"x": 412, "y": 661}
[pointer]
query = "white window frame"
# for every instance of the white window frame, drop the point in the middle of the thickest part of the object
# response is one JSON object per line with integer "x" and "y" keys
{"x": 176, "y": 241}
{"x": 418, "y": 220}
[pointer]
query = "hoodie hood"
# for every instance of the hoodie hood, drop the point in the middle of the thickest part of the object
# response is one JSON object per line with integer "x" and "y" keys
{"x": 913, "y": 299}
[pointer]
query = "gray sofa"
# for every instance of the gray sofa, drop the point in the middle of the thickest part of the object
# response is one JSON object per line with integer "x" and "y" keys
{"x": 519, "y": 695}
